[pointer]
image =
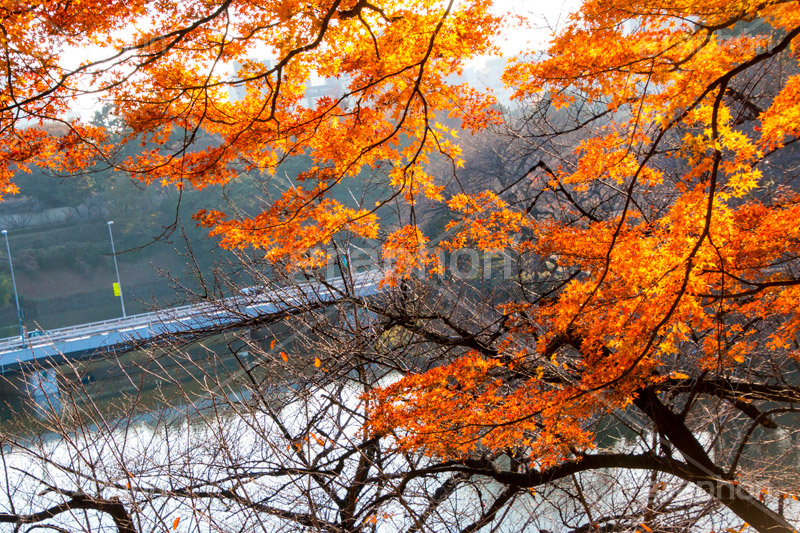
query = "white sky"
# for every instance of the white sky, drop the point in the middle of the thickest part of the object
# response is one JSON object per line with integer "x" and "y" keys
{"x": 544, "y": 17}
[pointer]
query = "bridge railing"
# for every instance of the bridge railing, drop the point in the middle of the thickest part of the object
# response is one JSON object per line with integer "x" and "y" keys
{"x": 276, "y": 296}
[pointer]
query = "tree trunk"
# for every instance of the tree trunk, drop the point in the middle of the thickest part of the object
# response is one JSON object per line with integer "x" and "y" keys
{"x": 704, "y": 473}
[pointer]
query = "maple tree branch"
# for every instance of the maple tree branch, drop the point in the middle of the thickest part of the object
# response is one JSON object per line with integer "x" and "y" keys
{"x": 702, "y": 471}
{"x": 534, "y": 478}
{"x": 582, "y": 499}
{"x": 501, "y": 501}
{"x": 359, "y": 7}
{"x": 581, "y": 125}
{"x": 726, "y": 388}
{"x": 174, "y": 37}
{"x": 738, "y": 393}
{"x": 742, "y": 15}
{"x": 304, "y": 519}
{"x": 758, "y": 421}
{"x": 348, "y": 503}
{"x": 539, "y": 164}
{"x": 632, "y": 521}
{"x": 441, "y": 493}
{"x": 746, "y": 102}
{"x": 371, "y": 34}
{"x": 577, "y": 205}
{"x": 672, "y": 427}
{"x": 721, "y": 81}
{"x": 758, "y": 286}
{"x": 412, "y": 323}
{"x": 112, "y": 507}
{"x": 278, "y": 69}
{"x": 467, "y": 341}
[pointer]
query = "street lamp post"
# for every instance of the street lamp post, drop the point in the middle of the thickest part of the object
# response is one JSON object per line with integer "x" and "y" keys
{"x": 118, "y": 288}
{"x": 14, "y": 284}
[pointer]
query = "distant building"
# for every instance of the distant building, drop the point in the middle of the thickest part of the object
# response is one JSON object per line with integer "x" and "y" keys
{"x": 331, "y": 87}
{"x": 489, "y": 77}
{"x": 486, "y": 77}
{"x": 239, "y": 91}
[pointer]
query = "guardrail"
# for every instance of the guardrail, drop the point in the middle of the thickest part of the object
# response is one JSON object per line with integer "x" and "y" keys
{"x": 191, "y": 316}
{"x": 62, "y": 333}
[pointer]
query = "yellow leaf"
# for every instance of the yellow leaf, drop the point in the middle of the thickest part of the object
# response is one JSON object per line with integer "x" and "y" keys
{"x": 317, "y": 362}
{"x": 284, "y": 357}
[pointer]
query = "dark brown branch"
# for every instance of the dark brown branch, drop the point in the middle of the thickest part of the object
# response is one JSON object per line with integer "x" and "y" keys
{"x": 440, "y": 494}
{"x": 492, "y": 511}
{"x": 112, "y": 507}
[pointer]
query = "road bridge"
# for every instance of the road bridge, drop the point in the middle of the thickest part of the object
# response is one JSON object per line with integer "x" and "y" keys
{"x": 119, "y": 334}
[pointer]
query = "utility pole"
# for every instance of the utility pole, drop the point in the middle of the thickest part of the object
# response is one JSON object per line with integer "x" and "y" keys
{"x": 14, "y": 284}
{"x": 117, "y": 286}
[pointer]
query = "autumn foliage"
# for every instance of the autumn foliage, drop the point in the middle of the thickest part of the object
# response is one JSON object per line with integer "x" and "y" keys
{"x": 680, "y": 240}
